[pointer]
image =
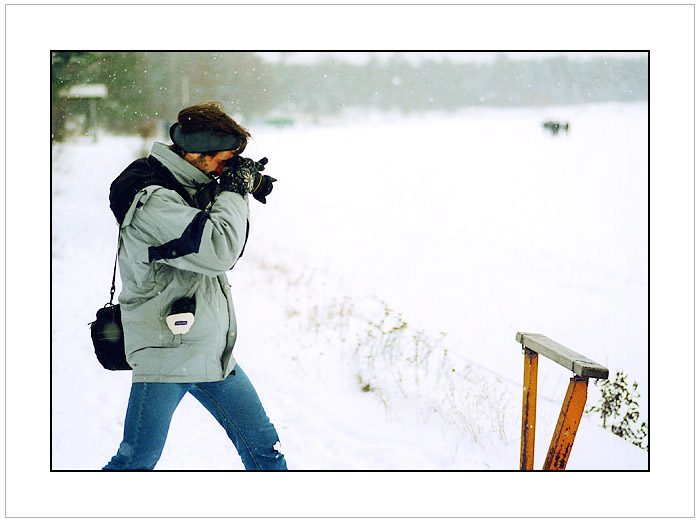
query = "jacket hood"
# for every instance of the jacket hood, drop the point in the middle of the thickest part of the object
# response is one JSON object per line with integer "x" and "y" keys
{"x": 162, "y": 168}
{"x": 185, "y": 173}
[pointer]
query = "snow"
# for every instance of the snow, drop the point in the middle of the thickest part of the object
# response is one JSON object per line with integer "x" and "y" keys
{"x": 382, "y": 287}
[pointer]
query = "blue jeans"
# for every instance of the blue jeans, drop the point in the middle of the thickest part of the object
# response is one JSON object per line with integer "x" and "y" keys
{"x": 233, "y": 402}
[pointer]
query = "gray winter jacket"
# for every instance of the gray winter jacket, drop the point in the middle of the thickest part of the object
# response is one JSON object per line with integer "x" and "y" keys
{"x": 169, "y": 250}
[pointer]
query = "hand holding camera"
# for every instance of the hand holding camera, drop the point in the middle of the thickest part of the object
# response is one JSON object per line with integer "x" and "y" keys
{"x": 242, "y": 176}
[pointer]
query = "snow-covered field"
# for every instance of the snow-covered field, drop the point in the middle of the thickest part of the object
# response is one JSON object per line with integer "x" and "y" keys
{"x": 383, "y": 285}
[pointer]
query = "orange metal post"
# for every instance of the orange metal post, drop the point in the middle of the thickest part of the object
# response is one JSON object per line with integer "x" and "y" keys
{"x": 527, "y": 439}
{"x": 567, "y": 425}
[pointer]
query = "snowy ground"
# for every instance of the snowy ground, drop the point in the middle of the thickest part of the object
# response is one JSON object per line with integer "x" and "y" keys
{"x": 383, "y": 285}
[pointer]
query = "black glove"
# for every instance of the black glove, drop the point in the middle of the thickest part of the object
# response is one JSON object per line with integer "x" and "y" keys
{"x": 239, "y": 175}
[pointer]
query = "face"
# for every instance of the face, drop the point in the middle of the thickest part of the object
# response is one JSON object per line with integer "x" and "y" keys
{"x": 209, "y": 164}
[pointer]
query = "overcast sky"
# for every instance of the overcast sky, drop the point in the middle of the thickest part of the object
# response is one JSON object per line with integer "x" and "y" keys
{"x": 359, "y": 58}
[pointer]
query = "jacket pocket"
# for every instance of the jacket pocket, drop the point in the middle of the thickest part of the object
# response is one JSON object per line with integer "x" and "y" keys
{"x": 144, "y": 325}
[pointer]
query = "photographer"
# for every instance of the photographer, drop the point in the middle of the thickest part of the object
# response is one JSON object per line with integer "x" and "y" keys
{"x": 183, "y": 215}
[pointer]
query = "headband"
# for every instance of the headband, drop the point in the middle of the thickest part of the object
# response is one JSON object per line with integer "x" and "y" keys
{"x": 203, "y": 141}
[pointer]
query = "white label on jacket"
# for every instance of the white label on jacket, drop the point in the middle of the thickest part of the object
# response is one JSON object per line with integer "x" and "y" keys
{"x": 180, "y": 323}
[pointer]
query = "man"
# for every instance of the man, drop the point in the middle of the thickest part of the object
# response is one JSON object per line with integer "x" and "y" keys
{"x": 183, "y": 215}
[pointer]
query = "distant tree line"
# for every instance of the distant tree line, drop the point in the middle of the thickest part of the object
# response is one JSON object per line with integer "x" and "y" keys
{"x": 148, "y": 88}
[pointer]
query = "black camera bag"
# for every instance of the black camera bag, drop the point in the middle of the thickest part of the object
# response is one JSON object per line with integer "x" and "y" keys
{"x": 108, "y": 338}
{"x": 107, "y": 332}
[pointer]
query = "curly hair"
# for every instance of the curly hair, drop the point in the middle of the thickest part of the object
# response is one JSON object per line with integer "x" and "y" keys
{"x": 210, "y": 116}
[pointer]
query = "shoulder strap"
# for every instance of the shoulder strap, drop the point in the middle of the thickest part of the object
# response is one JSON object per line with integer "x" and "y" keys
{"x": 114, "y": 274}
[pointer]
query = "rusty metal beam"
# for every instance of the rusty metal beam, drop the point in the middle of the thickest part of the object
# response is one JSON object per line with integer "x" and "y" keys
{"x": 567, "y": 425}
{"x": 527, "y": 439}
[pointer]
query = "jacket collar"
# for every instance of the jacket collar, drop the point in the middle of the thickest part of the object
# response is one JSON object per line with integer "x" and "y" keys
{"x": 185, "y": 173}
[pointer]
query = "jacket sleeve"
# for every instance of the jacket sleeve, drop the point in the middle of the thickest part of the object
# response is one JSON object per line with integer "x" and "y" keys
{"x": 176, "y": 234}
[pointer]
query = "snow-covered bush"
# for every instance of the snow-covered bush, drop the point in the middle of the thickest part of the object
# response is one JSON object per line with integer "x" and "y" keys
{"x": 410, "y": 371}
{"x": 619, "y": 410}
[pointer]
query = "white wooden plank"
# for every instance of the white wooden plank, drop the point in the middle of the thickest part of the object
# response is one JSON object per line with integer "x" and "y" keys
{"x": 569, "y": 359}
